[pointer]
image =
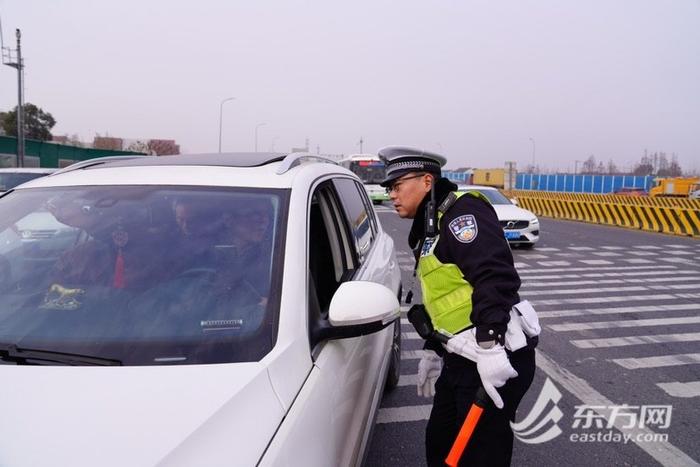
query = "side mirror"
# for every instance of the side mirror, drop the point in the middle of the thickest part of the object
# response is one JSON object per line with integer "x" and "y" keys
{"x": 359, "y": 308}
{"x": 514, "y": 201}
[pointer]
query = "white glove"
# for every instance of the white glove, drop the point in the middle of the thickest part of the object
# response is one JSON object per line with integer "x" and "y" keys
{"x": 494, "y": 369}
{"x": 463, "y": 344}
{"x": 515, "y": 336}
{"x": 528, "y": 318}
{"x": 429, "y": 369}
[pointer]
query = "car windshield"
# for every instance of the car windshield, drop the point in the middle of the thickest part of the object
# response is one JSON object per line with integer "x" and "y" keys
{"x": 9, "y": 180}
{"x": 142, "y": 275}
{"x": 495, "y": 196}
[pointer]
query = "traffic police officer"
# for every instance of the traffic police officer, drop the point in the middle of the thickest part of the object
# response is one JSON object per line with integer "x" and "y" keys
{"x": 469, "y": 285}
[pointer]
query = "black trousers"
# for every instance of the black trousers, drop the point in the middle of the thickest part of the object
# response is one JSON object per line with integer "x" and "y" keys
{"x": 492, "y": 441}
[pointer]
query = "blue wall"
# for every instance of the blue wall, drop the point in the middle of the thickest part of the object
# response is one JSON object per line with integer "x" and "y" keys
{"x": 456, "y": 176}
{"x": 581, "y": 183}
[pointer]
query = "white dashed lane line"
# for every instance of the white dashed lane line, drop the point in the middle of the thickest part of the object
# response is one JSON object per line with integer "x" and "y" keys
{"x": 635, "y": 340}
{"x": 633, "y": 323}
{"x": 658, "y": 361}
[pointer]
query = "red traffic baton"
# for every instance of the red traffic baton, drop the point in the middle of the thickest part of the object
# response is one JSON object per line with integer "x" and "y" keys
{"x": 465, "y": 433}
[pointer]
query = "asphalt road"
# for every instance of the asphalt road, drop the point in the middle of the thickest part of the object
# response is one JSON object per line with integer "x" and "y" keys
{"x": 620, "y": 320}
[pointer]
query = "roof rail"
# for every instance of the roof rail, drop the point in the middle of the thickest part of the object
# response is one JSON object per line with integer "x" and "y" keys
{"x": 297, "y": 158}
{"x": 94, "y": 161}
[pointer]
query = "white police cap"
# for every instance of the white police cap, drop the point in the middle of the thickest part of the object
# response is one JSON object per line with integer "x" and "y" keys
{"x": 401, "y": 160}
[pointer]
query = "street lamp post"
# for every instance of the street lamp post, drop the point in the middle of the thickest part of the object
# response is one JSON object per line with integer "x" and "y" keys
{"x": 533, "y": 154}
{"x": 221, "y": 113}
{"x": 256, "y": 134}
{"x": 576, "y": 167}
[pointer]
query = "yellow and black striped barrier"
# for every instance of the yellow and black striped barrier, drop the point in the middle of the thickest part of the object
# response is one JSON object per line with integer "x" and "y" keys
{"x": 678, "y": 216}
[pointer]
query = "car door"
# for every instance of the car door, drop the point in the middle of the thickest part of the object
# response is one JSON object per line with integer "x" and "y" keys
{"x": 329, "y": 420}
{"x": 340, "y": 217}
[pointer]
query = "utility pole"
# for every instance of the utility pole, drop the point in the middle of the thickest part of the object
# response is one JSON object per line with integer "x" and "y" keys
{"x": 361, "y": 142}
{"x": 18, "y": 63}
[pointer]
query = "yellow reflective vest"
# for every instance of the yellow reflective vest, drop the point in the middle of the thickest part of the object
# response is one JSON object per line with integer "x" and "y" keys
{"x": 447, "y": 296}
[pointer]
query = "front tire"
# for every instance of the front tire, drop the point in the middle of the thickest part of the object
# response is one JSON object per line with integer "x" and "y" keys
{"x": 394, "y": 373}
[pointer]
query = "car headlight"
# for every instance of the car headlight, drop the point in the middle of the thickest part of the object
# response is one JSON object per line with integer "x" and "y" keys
{"x": 534, "y": 221}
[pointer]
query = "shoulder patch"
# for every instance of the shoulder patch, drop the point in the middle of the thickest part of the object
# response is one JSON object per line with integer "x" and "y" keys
{"x": 464, "y": 228}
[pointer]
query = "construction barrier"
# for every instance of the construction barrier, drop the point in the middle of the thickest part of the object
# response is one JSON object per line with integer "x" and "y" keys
{"x": 678, "y": 216}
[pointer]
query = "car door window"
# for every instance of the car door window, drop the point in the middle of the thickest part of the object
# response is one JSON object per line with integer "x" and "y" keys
{"x": 332, "y": 255}
{"x": 357, "y": 215}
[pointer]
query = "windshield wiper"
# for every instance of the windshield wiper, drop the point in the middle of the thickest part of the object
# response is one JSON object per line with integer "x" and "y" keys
{"x": 24, "y": 356}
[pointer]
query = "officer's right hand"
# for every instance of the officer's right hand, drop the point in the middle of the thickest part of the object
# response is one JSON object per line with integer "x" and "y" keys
{"x": 429, "y": 369}
{"x": 494, "y": 369}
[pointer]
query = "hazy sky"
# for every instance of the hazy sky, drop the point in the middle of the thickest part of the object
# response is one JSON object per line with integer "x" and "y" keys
{"x": 476, "y": 80}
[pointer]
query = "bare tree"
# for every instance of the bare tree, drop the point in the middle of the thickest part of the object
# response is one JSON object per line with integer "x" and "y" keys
{"x": 589, "y": 165}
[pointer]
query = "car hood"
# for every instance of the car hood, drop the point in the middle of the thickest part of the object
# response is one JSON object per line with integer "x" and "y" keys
{"x": 137, "y": 416}
{"x": 509, "y": 212}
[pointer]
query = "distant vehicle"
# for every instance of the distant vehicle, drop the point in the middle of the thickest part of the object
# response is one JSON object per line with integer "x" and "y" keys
{"x": 520, "y": 226}
{"x": 11, "y": 177}
{"x": 679, "y": 187}
{"x": 630, "y": 191}
{"x": 238, "y": 308}
{"x": 370, "y": 169}
{"x": 694, "y": 191}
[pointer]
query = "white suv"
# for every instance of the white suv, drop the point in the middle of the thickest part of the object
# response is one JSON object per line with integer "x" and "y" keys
{"x": 223, "y": 309}
{"x": 520, "y": 226}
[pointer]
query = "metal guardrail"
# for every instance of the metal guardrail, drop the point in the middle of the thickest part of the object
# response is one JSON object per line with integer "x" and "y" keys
{"x": 678, "y": 216}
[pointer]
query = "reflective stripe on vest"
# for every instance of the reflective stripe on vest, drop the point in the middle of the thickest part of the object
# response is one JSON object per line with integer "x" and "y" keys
{"x": 447, "y": 296}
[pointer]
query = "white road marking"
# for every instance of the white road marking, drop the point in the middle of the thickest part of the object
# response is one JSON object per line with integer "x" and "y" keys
{"x": 635, "y": 340}
{"x": 605, "y": 268}
{"x": 679, "y": 252}
{"x": 520, "y": 265}
{"x": 633, "y": 288}
{"x": 412, "y": 336}
{"x": 614, "y": 311}
{"x": 637, "y": 261}
{"x": 532, "y": 282}
{"x": 648, "y": 247}
{"x": 603, "y": 300}
{"x": 663, "y": 452}
{"x": 676, "y": 389}
{"x": 554, "y": 263}
{"x": 642, "y": 253}
{"x": 534, "y": 256}
{"x": 677, "y": 246}
{"x": 606, "y": 253}
{"x": 408, "y": 380}
{"x": 621, "y": 274}
{"x": 596, "y": 261}
{"x": 547, "y": 249}
{"x": 632, "y": 323}
{"x": 412, "y": 354}
{"x": 679, "y": 260}
{"x": 613, "y": 247}
{"x": 659, "y": 361}
{"x": 410, "y": 413}
{"x": 581, "y": 248}
{"x": 674, "y": 286}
